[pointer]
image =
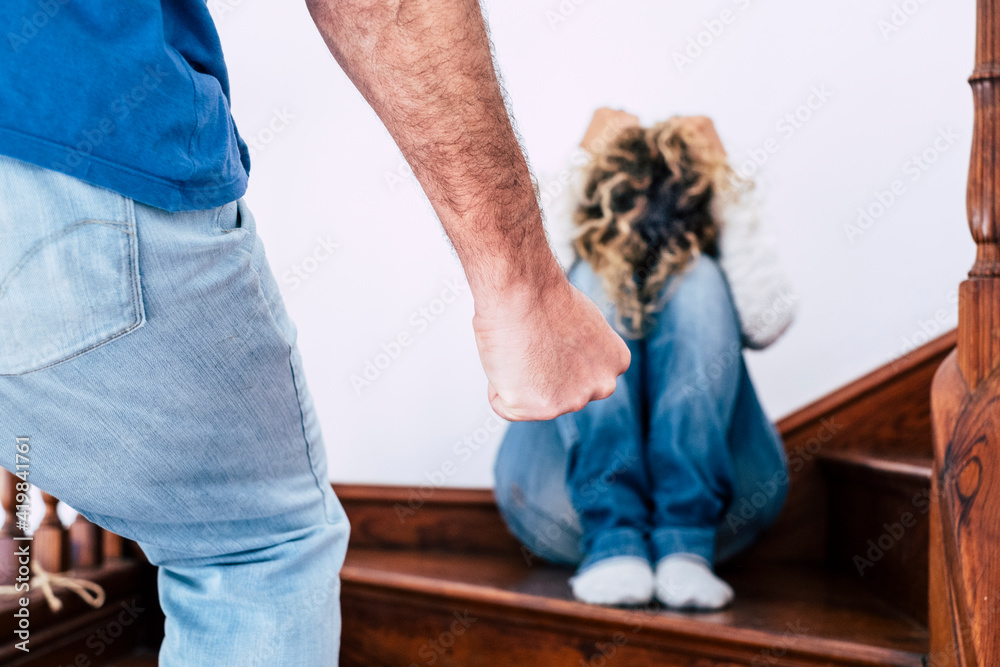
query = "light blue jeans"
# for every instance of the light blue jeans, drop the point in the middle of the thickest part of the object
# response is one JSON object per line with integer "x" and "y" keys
{"x": 679, "y": 459}
{"x": 148, "y": 357}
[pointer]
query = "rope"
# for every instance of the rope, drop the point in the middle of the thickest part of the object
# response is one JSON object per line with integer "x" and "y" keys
{"x": 89, "y": 592}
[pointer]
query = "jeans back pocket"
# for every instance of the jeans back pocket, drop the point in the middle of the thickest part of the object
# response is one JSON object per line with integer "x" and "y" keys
{"x": 69, "y": 267}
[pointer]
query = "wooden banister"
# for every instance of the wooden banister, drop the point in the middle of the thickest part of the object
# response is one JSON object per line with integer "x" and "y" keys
{"x": 965, "y": 404}
{"x": 83, "y": 545}
{"x": 112, "y": 546}
{"x": 68, "y": 627}
{"x": 51, "y": 538}
{"x": 86, "y": 544}
{"x": 10, "y": 529}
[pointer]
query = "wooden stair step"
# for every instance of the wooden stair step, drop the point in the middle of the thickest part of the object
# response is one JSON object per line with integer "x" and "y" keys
{"x": 878, "y": 515}
{"x": 425, "y": 518}
{"x": 882, "y": 468}
{"x": 408, "y": 607}
{"x": 58, "y": 638}
{"x": 143, "y": 658}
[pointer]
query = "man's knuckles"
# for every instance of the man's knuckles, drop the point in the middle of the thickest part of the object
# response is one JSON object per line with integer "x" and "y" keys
{"x": 605, "y": 391}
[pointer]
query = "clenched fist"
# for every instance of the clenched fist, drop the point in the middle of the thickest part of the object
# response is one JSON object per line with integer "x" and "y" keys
{"x": 547, "y": 350}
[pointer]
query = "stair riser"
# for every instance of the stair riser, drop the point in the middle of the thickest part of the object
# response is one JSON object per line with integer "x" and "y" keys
{"x": 886, "y": 412}
{"x": 879, "y": 531}
{"x": 397, "y": 628}
{"x": 459, "y": 521}
{"x": 88, "y": 639}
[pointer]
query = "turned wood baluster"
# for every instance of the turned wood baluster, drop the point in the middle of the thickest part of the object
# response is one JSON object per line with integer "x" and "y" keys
{"x": 86, "y": 543}
{"x": 51, "y": 544}
{"x": 979, "y": 346}
{"x": 113, "y": 546}
{"x": 8, "y": 561}
{"x": 965, "y": 401}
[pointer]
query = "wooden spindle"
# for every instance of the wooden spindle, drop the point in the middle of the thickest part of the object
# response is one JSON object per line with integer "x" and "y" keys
{"x": 51, "y": 544}
{"x": 965, "y": 404}
{"x": 86, "y": 543}
{"x": 10, "y": 530}
{"x": 113, "y": 546}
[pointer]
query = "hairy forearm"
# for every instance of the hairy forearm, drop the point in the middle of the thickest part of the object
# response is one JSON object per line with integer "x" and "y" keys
{"x": 426, "y": 68}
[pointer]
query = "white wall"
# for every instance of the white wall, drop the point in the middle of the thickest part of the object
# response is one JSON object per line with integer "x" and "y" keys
{"x": 331, "y": 171}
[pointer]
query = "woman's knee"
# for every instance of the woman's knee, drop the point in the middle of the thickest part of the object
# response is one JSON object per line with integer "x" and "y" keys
{"x": 702, "y": 293}
{"x": 532, "y": 498}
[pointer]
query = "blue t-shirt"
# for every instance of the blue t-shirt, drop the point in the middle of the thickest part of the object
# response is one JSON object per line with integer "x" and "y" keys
{"x": 129, "y": 95}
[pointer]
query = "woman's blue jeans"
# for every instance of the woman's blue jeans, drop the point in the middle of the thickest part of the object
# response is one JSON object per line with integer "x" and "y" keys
{"x": 149, "y": 359}
{"x": 679, "y": 459}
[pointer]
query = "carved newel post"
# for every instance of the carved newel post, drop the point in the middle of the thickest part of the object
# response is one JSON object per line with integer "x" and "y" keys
{"x": 965, "y": 401}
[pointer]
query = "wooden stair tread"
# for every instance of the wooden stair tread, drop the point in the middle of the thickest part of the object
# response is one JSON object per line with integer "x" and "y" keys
{"x": 913, "y": 467}
{"x": 814, "y": 613}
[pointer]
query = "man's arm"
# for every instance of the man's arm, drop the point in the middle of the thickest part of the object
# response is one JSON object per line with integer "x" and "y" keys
{"x": 426, "y": 68}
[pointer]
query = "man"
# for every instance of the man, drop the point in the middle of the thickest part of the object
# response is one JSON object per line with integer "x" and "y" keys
{"x": 147, "y": 356}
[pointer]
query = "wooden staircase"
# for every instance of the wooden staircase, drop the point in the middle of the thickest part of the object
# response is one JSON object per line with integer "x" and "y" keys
{"x": 433, "y": 577}
{"x": 885, "y": 554}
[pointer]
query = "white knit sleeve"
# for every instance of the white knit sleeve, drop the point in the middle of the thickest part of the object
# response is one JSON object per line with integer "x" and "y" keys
{"x": 762, "y": 291}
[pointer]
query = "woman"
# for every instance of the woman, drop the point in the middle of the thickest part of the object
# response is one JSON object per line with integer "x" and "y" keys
{"x": 679, "y": 468}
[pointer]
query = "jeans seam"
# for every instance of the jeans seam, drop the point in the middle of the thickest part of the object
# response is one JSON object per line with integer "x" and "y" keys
{"x": 216, "y": 224}
{"x": 310, "y": 459}
{"x": 135, "y": 278}
{"x": 305, "y": 438}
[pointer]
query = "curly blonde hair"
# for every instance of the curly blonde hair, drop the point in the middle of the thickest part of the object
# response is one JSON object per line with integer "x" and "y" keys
{"x": 644, "y": 213}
